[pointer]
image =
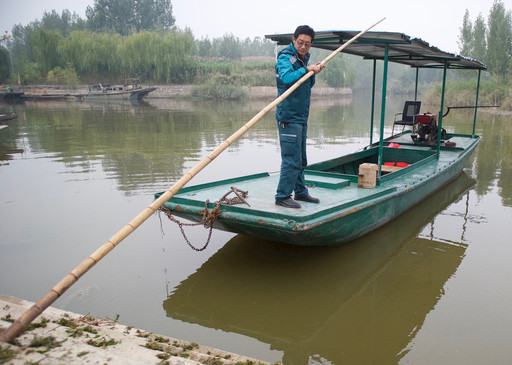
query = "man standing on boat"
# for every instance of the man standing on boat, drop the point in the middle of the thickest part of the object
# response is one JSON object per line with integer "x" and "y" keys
{"x": 292, "y": 116}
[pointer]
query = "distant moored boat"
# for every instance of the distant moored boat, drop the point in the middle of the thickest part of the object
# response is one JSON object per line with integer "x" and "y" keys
{"x": 131, "y": 89}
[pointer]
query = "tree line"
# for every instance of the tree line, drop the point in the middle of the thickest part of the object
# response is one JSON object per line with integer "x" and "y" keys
{"x": 489, "y": 42}
{"x": 125, "y": 38}
{"x": 119, "y": 39}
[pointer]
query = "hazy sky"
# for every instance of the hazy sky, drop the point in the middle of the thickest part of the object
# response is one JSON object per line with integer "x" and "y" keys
{"x": 434, "y": 21}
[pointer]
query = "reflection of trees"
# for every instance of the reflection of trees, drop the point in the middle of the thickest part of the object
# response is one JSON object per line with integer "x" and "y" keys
{"x": 503, "y": 145}
{"x": 493, "y": 157}
{"x": 138, "y": 146}
{"x": 8, "y": 142}
{"x": 155, "y": 142}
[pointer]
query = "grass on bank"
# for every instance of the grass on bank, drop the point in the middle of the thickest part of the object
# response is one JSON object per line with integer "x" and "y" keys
{"x": 229, "y": 81}
{"x": 462, "y": 92}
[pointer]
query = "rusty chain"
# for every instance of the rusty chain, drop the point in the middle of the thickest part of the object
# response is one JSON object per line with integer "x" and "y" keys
{"x": 208, "y": 218}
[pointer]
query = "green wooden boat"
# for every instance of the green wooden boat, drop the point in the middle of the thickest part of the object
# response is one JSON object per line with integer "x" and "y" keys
{"x": 348, "y": 210}
{"x": 333, "y": 306}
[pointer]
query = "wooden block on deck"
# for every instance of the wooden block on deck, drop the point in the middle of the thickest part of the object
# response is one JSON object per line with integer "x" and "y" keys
{"x": 327, "y": 182}
{"x": 387, "y": 169}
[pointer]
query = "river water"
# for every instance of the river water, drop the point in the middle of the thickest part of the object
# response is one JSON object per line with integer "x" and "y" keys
{"x": 433, "y": 286}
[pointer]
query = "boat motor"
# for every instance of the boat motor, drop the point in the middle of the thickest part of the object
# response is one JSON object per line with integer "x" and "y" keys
{"x": 426, "y": 127}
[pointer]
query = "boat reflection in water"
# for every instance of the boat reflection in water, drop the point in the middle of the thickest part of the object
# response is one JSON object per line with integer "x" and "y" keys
{"x": 362, "y": 302}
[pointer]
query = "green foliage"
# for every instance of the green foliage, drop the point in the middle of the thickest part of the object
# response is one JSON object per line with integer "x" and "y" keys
{"x": 22, "y": 45}
{"x": 338, "y": 73}
{"x": 125, "y": 16}
{"x": 466, "y": 39}
{"x": 221, "y": 87}
{"x": 66, "y": 76}
{"x": 204, "y": 48}
{"x": 47, "y": 342}
{"x": 102, "y": 342}
{"x": 491, "y": 44}
{"x": 92, "y": 54}
{"x": 259, "y": 73}
{"x": 41, "y": 324}
{"x": 259, "y": 77}
{"x": 231, "y": 48}
{"x": 212, "y": 91}
{"x": 128, "y": 49}
{"x": 247, "y": 73}
{"x": 480, "y": 40}
{"x": 6, "y": 354}
{"x": 4, "y": 65}
{"x": 45, "y": 45}
{"x": 499, "y": 44}
{"x": 30, "y": 73}
{"x": 494, "y": 91}
{"x": 205, "y": 69}
{"x": 63, "y": 23}
{"x": 461, "y": 92}
{"x": 163, "y": 58}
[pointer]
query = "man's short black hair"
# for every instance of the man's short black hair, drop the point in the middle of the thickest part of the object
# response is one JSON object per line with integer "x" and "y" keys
{"x": 304, "y": 29}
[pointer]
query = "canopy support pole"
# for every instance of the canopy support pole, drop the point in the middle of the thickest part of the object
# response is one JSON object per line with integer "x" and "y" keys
{"x": 373, "y": 101}
{"x": 383, "y": 106}
{"x": 416, "y": 85}
{"x": 476, "y": 102}
{"x": 440, "y": 127}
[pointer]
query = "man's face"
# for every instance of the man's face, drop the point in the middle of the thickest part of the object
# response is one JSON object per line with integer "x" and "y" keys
{"x": 302, "y": 44}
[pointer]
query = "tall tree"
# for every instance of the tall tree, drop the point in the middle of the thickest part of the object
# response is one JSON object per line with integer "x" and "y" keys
{"x": 92, "y": 54}
{"x": 466, "y": 38}
{"x": 230, "y": 47}
{"x": 128, "y": 16}
{"x": 46, "y": 43}
{"x": 22, "y": 49}
{"x": 480, "y": 39}
{"x": 63, "y": 23}
{"x": 499, "y": 39}
{"x": 204, "y": 47}
{"x": 4, "y": 64}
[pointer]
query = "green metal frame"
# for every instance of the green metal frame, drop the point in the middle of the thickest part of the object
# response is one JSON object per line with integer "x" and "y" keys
{"x": 416, "y": 85}
{"x": 398, "y": 48}
{"x": 383, "y": 107}
{"x": 446, "y": 66}
{"x": 476, "y": 101}
{"x": 440, "y": 120}
{"x": 373, "y": 101}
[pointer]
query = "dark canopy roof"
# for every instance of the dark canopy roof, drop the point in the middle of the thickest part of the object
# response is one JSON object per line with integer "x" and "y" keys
{"x": 402, "y": 49}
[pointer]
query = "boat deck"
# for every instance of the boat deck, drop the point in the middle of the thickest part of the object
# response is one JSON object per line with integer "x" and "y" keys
{"x": 334, "y": 190}
{"x": 261, "y": 191}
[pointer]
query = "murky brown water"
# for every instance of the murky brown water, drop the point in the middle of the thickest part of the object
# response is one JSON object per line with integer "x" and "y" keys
{"x": 433, "y": 286}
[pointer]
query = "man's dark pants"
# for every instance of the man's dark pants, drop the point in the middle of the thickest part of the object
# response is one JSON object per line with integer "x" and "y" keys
{"x": 292, "y": 138}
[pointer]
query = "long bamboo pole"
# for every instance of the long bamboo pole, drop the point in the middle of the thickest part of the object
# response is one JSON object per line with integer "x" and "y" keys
{"x": 21, "y": 323}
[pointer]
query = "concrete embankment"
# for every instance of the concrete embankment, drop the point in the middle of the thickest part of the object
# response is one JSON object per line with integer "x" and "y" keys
{"x": 174, "y": 91}
{"x": 61, "y": 337}
{"x": 255, "y": 92}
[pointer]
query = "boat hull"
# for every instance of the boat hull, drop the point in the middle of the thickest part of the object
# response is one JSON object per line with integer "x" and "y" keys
{"x": 8, "y": 116}
{"x": 122, "y": 95}
{"x": 352, "y": 212}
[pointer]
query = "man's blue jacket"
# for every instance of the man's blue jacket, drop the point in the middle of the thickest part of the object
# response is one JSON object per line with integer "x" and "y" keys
{"x": 289, "y": 69}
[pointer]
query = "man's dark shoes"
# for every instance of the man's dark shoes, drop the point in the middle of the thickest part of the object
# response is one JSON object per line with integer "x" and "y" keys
{"x": 288, "y": 202}
{"x": 307, "y": 198}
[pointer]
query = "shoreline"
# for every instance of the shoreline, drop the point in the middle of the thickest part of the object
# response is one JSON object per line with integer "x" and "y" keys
{"x": 254, "y": 92}
{"x": 43, "y": 92}
{"x": 63, "y": 337}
